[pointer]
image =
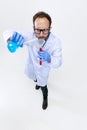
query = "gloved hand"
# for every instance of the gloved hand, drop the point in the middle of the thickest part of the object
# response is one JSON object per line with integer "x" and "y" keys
{"x": 44, "y": 56}
{"x": 18, "y": 39}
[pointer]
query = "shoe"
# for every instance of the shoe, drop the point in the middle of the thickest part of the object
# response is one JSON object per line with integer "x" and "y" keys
{"x": 37, "y": 87}
{"x": 35, "y": 80}
{"x": 45, "y": 104}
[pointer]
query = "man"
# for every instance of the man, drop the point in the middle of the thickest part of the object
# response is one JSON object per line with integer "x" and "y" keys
{"x": 51, "y": 53}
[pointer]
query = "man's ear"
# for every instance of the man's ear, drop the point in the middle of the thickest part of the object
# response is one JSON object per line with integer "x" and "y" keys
{"x": 50, "y": 28}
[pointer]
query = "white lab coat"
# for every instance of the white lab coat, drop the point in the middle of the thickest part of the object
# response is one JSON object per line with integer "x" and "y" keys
{"x": 33, "y": 69}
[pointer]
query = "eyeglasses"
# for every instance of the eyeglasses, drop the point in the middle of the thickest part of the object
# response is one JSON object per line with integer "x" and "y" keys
{"x": 38, "y": 31}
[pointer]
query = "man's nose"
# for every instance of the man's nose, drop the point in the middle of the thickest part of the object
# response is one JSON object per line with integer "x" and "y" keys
{"x": 41, "y": 33}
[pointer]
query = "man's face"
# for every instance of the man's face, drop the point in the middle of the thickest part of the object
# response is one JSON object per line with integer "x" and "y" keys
{"x": 41, "y": 28}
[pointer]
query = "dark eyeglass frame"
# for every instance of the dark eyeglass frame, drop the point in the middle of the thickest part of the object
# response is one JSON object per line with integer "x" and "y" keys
{"x": 44, "y": 31}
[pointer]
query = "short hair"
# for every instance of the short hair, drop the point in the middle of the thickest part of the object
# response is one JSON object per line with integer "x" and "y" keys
{"x": 42, "y": 14}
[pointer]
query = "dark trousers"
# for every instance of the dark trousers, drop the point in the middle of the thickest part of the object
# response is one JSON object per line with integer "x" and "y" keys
{"x": 44, "y": 92}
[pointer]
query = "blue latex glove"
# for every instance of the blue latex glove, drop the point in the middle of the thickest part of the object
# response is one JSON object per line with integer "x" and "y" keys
{"x": 44, "y": 56}
{"x": 18, "y": 39}
{"x": 14, "y": 42}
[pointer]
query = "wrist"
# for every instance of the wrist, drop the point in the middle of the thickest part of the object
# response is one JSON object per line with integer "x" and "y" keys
{"x": 49, "y": 60}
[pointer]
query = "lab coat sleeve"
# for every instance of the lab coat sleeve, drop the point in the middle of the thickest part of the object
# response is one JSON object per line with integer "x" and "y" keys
{"x": 8, "y": 34}
{"x": 56, "y": 55}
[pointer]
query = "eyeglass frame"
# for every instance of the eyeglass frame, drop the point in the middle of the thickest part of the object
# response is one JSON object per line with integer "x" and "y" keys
{"x": 41, "y": 30}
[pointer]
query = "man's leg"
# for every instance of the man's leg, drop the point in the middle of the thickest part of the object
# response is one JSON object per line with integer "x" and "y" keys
{"x": 45, "y": 97}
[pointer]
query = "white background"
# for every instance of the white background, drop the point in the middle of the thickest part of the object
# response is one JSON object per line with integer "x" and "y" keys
{"x": 20, "y": 103}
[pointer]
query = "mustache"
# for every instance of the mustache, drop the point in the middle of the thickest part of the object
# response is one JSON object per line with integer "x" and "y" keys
{"x": 41, "y": 37}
